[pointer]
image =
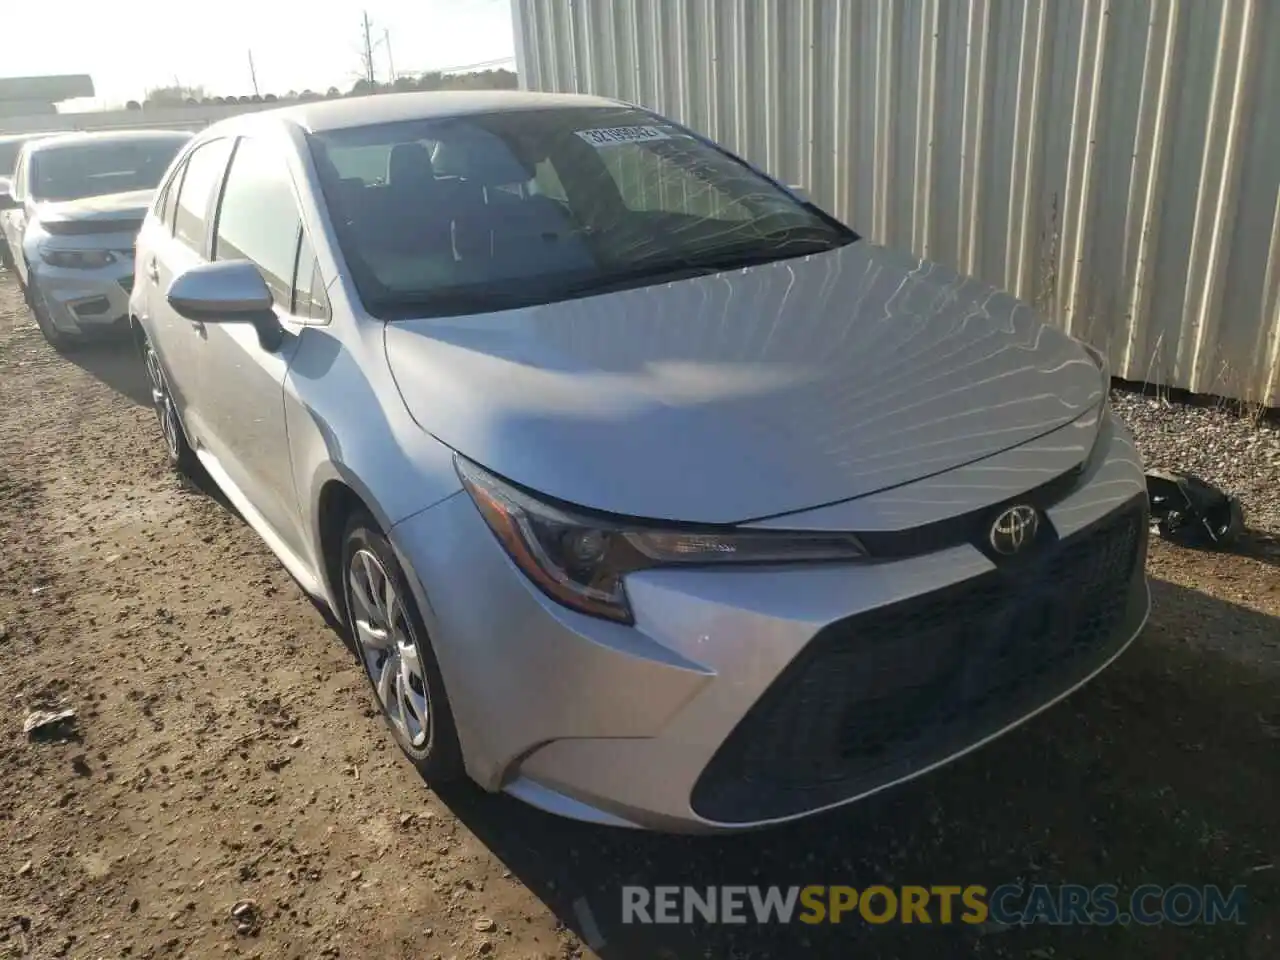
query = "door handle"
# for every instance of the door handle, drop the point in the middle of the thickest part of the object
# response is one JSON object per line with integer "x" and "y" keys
{"x": 153, "y": 271}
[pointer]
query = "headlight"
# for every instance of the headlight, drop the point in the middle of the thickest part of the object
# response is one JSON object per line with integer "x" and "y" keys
{"x": 1100, "y": 360}
{"x": 580, "y": 560}
{"x": 78, "y": 259}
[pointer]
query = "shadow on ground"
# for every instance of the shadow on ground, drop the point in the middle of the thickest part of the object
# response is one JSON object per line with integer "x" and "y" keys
{"x": 1163, "y": 771}
{"x": 116, "y": 363}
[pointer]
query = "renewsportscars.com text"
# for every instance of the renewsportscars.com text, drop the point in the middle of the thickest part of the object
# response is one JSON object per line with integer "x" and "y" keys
{"x": 1012, "y": 904}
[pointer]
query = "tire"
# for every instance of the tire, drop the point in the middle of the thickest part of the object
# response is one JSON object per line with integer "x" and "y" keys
{"x": 179, "y": 453}
{"x": 39, "y": 309}
{"x": 397, "y": 650}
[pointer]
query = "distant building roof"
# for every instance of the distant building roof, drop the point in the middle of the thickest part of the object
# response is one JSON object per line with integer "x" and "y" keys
{"x": 51, "y": 89}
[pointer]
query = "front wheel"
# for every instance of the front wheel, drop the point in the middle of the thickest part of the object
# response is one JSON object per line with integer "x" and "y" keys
{"x": 40, "y": 310}
{"x": 181, "y": 457}
{"x": 392, "y": 645}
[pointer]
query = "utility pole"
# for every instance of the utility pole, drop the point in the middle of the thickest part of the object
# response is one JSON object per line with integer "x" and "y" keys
{"x": 368, "y": 51}
{"x": 253, "y": 74}
{"x": 391, "y": 64}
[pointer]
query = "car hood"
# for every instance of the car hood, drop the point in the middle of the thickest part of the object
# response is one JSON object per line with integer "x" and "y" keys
{"x": 129, "y": 206}
{"x": 748, "y": 393}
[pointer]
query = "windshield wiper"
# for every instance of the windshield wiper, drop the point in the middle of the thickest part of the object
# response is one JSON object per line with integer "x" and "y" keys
{"x": 698, "y": 264}
{"x": 443, "y": 303}
{"x": 764, "y": 248}
{"x": 658, "y": 268}
{"x": 666, "y": 269}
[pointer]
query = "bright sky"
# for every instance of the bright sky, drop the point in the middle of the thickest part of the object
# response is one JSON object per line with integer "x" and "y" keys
{"x": 297, "y": 44}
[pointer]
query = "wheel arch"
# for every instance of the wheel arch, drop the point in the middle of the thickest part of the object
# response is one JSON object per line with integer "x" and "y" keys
{"x": 339, "y": 494}
{"x": 137, "y": 334}
{"x": 336, "y": 503}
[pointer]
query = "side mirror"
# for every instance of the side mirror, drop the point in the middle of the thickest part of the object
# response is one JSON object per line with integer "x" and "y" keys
{"x": 6, "y": 198}
{"x": 228, "y": 291}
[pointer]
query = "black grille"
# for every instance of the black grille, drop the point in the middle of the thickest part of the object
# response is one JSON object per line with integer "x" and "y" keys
{"x": 880, "y": 695}
{"x": 968, "y": 527}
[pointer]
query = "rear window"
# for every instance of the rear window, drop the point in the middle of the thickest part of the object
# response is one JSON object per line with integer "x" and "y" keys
{"x": 93, "y": 168}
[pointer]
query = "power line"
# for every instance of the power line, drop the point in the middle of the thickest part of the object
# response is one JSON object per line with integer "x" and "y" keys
{"x": 470, "y": 66}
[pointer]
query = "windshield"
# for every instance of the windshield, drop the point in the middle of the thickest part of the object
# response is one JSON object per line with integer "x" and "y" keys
{"x": 491, "y": 211}
{"x": 89, "y": 169}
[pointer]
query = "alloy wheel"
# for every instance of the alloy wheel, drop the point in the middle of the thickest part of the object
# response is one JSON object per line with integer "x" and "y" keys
{"x": 163, "y": 404}
{"x": 387, "y": 648}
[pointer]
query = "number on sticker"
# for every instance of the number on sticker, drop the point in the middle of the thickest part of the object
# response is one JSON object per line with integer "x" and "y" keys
{"x": 608, "y": 136}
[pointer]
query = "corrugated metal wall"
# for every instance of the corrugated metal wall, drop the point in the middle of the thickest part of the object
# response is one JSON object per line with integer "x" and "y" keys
{"x": 1116, "y": 162}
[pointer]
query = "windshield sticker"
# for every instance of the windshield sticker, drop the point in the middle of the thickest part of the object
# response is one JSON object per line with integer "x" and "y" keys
{"x": 609, "y": 136}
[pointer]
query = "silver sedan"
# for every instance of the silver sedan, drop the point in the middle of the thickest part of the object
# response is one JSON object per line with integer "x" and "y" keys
{"x": 648, "y": 492}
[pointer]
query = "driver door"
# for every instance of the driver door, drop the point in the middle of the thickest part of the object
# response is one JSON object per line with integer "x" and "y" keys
{"x": 241, "y": 382}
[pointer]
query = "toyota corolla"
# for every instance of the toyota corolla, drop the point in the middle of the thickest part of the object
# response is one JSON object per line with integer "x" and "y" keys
{"x": 649, "y": 493}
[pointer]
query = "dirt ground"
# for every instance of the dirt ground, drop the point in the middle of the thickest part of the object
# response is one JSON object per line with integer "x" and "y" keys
{"x": 227, "y": 751}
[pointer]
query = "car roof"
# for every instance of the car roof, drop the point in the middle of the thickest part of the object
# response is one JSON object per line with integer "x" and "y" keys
{"x": 321, "y": 115}
{"x": 60, "y": 140}
{"x": 23, "y": 137}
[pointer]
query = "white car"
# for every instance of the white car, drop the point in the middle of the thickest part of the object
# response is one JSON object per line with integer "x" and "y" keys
{"x": 74, "y": 209}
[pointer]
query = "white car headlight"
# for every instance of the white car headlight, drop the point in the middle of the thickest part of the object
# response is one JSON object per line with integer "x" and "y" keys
{"x": 78, "y": 259}
{"x": 580, "y": 560}
{"x": 1100, "y": 359}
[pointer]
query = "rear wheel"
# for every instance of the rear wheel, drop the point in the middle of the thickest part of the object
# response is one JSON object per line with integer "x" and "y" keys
{"x": 392, "y": 645}
{"x": 181, "y": 457}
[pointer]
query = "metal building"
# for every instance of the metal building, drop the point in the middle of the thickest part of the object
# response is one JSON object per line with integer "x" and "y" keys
{"x": 1116, "y": 162}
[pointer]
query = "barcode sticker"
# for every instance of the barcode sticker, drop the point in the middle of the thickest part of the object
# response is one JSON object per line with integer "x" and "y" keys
{"x": 609, "y": 136}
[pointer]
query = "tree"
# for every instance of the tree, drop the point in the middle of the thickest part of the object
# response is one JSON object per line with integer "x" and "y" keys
{"x": 174, "y": 95}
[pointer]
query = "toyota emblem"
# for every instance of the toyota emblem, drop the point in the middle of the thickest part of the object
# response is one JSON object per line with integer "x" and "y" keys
{"x": 1014, "y": 529}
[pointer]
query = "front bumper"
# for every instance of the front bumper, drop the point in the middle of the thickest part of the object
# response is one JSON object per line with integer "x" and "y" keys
{"x": 86, "y": 302}
{"x": 749, "y": 697}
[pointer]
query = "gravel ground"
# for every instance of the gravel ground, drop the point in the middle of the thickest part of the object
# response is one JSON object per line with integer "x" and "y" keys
{"x": 1215, "y": 443}
{"x": 227, "y": 754}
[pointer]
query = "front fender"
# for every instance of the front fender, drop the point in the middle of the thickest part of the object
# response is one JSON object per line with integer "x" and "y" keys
{"x": 31, "y": 236}
{"x": 347, "y": 424}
